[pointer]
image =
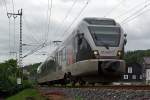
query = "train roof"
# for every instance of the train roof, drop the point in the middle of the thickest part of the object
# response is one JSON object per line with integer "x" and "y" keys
{"x": 99, "y": 21}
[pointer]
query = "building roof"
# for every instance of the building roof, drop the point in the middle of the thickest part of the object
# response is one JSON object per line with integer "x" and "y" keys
{"x": 147, "y": 60}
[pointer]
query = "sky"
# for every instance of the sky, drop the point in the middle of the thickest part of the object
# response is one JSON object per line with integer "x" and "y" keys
{"x": 133, "y": 15}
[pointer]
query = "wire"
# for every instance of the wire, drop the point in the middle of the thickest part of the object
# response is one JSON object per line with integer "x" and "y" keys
{"x": 136, "y": 12}
{"x": 114, "y": 8}
{"x": 9, "y": 39}
{"x": 126, "y": 12}
{"x": 13, "y": 6}
{"x": 5, "y": 5}
{"x": 67, "y": 15}
{"x": 75, "y": 18}
{"x": 44, "y": 45}
{"x": 34, "y": 50}
{"x": 34, "y": 39}
{"x": 14, "y": 33}
{"x": 49, "y": 20}
{"x": 136, "y": 16}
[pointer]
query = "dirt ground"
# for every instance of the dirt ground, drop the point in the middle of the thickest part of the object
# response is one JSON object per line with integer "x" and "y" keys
{"x": 58, "y": 97}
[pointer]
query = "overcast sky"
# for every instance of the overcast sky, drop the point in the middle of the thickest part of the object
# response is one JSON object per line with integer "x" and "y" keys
{"x": 35, "y": 22}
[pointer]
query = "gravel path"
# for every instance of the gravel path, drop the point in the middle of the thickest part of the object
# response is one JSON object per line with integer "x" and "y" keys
{"x": 99, "y": 94}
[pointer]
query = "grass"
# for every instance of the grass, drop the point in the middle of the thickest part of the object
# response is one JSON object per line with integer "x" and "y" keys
{"x": 27, "y": 93}
{"x": 78, "y": 98}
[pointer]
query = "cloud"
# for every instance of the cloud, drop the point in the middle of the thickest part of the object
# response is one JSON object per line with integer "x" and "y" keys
{"x": 35, "y": 22}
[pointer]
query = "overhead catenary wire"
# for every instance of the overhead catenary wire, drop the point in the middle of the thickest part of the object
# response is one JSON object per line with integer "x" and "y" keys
{"x": 130, "y": 9}
{"x": 67, "y": 15}
{"x": 13, "y": 6}
{"x": 34, "y": 50}
{"x": 114, "y": 8}
{"x": 5, "y": 4}
{"x": 14, "y": 49}
{"x": 31, "y": 37}
{"x": 9, "y": 36}
{"x": 136, "y": 12}
{"x": 49, "y": 14}
{"x": 135, "y": 16}
{"x": 65, "y": 32}
{"x": 44, "y": 45}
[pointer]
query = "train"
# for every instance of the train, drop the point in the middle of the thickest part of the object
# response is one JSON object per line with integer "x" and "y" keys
{"x": 93, "y": 53}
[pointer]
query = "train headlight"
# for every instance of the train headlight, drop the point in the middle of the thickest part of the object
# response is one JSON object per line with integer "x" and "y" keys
{"x": 96, "y": 52}
{"x": 119, "y": 53}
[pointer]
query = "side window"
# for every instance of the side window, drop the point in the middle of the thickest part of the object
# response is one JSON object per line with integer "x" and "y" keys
{"x": 130, "y": 70}
{"x": 64, "y": 56}
{"x": 133, "y": 76}
{"x": 141, "y": 77}
{"x": 60, "y": 57}
{"x": 57, "y": 58}
{"x": 76, "y": 44}
{"x": 125, "y": 76}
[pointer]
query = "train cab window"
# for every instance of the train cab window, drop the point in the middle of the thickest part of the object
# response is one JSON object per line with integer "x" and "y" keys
{"x": 100, "y": 22}
{"x": 130, "y": 70}
{"x": 125, "y": 76}
{"x": 133, "y": 76}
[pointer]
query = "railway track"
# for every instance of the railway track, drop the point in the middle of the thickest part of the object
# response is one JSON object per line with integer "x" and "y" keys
{"x": 123, "y": 87}
{"x": 105, "y": 92}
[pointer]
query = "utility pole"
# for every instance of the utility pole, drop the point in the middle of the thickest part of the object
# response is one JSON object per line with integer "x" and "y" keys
{"x": 20, "y": 44}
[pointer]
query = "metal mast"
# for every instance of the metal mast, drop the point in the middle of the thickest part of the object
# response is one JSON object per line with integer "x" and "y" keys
{"x": 20, "y": 43}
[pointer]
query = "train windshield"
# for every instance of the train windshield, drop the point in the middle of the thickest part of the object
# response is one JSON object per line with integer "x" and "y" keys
{"x": 105, "y": 36}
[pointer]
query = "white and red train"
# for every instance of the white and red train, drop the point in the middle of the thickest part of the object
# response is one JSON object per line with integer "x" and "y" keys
{"x": 93, "y": 53}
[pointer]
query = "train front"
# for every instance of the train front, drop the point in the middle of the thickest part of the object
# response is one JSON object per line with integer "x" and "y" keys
{"x": 107, "y": 45}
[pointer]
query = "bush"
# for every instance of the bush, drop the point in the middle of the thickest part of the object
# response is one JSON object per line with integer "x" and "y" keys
{"x": 27, "y": 84}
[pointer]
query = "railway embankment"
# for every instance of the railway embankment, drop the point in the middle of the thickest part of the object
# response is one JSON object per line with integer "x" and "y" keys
{"x": 27, "y": 94}
{"x": 97, "y": 93}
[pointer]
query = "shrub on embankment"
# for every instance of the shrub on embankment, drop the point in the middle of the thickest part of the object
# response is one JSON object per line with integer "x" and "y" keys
{"x": 8, "y": 78}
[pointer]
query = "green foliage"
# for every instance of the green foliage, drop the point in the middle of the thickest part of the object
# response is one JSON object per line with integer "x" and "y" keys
{"x": 27, "y": 84}
{"x": 136, "y": 56}
{"x": 23, "y": 95}
{"x": 7, "y": 75}
{"x": 9, "y": 72}
{"x": 32, "y": 69}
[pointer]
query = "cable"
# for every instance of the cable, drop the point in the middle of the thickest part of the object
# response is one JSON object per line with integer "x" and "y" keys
{"x": 34, "y": 50}
{"x": 44, "y": 44}
{"x": 13, "y": 6}
{"x": 67, "y": 15}
{"x": 136, "y": 12}
{"x": 49, "y": 20}
{"x": 114, "y": 8}
{"x": 126, "y": 12}
{"x": 34, "y": 39}
{"x": 5, "y": 5}
{"x": 136, "y": 16}
{"x": 9, "y": 39}
{"x": 14, "y": 50}
{"x": 75, "y": 18}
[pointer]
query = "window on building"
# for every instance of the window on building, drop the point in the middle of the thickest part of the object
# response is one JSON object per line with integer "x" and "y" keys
{"x": 129, "y": 69}
{"x": 141, "y": 77}
{"x": 133, "y": 76}
{"x": 125, "y": 76}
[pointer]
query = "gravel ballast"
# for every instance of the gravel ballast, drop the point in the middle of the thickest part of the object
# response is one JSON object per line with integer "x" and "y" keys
{"x": 100, "y": 94}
